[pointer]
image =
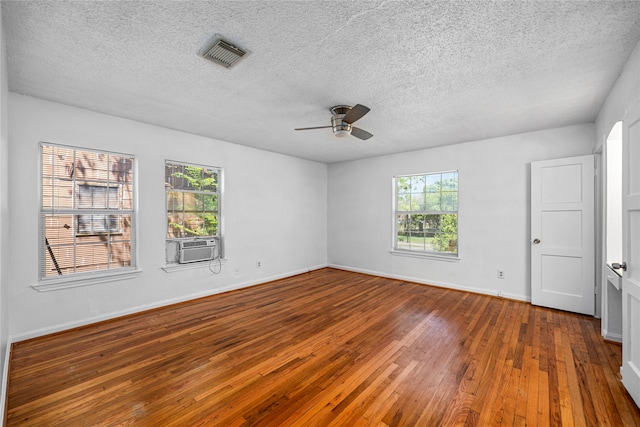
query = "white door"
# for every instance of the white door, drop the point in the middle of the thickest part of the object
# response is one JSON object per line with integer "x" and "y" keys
{"x": 562, "y": 234}
{"x": 631, "y": 252}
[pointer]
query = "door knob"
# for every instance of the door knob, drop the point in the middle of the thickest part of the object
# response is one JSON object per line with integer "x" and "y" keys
{"x": 618, "y": 266}
{"x": 536, "y": 241}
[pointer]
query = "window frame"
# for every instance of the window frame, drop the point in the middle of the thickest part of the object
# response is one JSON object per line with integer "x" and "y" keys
{"x": 171, "y": 243}
{"x": 395, "y": 249}
{"x": 82, "y": 278}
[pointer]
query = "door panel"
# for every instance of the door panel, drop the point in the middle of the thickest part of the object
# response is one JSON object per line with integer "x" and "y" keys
{"x": 569, "y": 176}
{"x": 562, "y": 234}
{"x": 562, "y": 275}
{"x": 631, "y": 252}
{"x": 562, "y": 229}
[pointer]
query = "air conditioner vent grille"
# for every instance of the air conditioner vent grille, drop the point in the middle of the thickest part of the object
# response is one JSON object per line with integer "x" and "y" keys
{"x": 194, "y": 244}
{"x": 223, "y": 53}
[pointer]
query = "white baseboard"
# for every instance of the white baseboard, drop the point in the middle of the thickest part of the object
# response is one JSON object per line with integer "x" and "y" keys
{"x": 157, "y": 304}
{"x": 491, "y": 292}
{"x": 611, "y": 336}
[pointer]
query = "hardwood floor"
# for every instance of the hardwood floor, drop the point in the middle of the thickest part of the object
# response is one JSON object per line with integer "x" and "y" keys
{"x": 325, "y": 348}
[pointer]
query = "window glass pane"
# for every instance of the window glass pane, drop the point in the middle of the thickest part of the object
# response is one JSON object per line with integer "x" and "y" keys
{"x": 209, "y": 180}
{"x": 191, "y": 203}
{"x": 432, "y": 202}
{"x": 417, "y": 184}
{"x": 174, "y": 176}
{"x": 98, "y": 224}
{"x": 47, "y": 159}
{"x": 432, "y": 223}
{"x": 210, "y": 224}
{"x": 417, "y": 201}
{"x": 192, "y": 177}
{"x": 199, "y": 199}
{"x": 404, "y": 202}
{"x": 175, "y": 201}
{"x": 100, "y": 165}
{"x": 63, "y": 256}
{"x": 403, "y": 185}
{"x": 417, "y": 226}
{"x": 433, "y": 183}
{"x": 126, "y": 201}
{"x": 92, "y": 255}
{"x": 121, "y": 169}
{"x": 120, "y": 253}
{"x": 193, "y": 224}
{"x": 210, "y": 202}
{"x": 59, "y": 229}
{"x": 175, "y": 222}
{"x": 403, "y": 231}
{"x": 57, "y": 193}
{"x": 416, "y": 238}
{"x": 418, "y": 241}
{"x": 450, "y": 181}
{"x": 85, "y": 197}
{"x": 113, "y": 197}
{"x": 450, "y": 202}
{"x": 447, "y": 238}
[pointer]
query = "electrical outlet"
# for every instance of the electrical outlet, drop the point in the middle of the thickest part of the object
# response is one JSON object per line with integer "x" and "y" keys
{"x": 258, "y": 264}
{"x": 500, "y": 274}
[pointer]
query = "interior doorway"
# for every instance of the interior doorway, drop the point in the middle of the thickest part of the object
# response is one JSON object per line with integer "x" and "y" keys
{"x": 612, "y": 239}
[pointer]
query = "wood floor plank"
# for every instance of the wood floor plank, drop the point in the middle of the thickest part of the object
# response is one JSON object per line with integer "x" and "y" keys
{"x": 325, "y": 348}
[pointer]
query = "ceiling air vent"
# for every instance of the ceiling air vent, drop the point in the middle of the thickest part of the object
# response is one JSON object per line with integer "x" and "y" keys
{"x": 222, "y": 52}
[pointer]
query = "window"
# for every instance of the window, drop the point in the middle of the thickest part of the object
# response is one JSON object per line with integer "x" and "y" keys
{"x": 87, "y": 215}
{"x": 99, "y": 197}
{"x": 426, "y": 213}
{"x": 193, "y": 203}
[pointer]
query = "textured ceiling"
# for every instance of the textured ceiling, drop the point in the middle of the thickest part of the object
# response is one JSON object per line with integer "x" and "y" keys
{"x": 433, "y": 73}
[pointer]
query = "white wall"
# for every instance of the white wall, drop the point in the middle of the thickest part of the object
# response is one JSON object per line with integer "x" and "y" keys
{"x": 493, "y": 217}
{"x": 625, "y": 92}
{"x": 4, "y": 214}
{"x": 274, "y": 212}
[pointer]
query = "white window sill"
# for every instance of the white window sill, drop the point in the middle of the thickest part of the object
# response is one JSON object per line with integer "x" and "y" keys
{"x": 425, "y": 255}
{"x": 172, "y": 268}
{"x": 78, "y": 280}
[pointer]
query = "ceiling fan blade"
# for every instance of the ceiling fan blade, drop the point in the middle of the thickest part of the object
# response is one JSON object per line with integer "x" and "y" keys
{"x": 316, "y": 127}
{"x": 359, "y": 133}
{"x": 356, "y": 112}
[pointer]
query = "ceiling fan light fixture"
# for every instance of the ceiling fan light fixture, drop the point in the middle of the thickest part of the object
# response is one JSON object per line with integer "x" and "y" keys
{"x": 340, "y": 128}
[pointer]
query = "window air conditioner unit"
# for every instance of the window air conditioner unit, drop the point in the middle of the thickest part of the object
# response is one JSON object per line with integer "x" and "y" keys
{"x": 194, "y": 250}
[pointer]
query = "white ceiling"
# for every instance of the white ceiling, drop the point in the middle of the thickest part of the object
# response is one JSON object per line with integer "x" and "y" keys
{"x": 433, "y": 73}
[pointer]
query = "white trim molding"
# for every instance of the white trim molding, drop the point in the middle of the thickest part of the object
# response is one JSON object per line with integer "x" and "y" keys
{"x": 452, "y": 286}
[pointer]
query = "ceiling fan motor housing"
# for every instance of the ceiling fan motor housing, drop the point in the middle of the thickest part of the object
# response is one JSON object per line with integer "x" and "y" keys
{"x": 340, "y": 128}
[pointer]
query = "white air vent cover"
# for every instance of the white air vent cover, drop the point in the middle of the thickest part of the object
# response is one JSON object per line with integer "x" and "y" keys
{"x": 222, "y": 52}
